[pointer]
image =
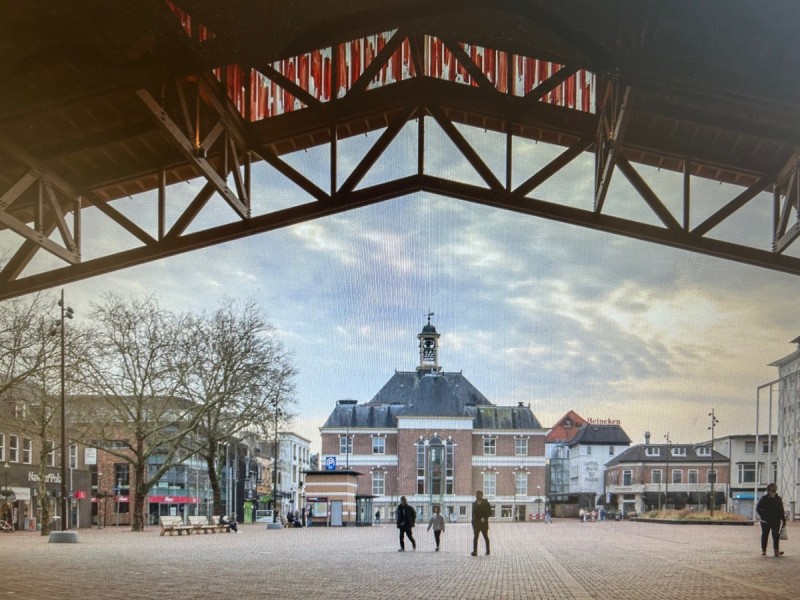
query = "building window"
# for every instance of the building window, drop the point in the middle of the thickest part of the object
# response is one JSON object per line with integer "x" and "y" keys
{"x": 379, "y": 445}
{"x": 692, "y": 474}
{"x": 490, "y": 484}
{"x": 652, "y": 451}
{"x": 73, "y": 456}
{"x": 747, "y": 473}
{"x": 611, "y": 450}
{"x": 121, "y": 475}
{"x": 655, "y": 476}
{"x": 765, "y": 447}
{"x": 587, "y": 450}
{"x": 449, "y": 466}
{"x": 345, "y": 444}
{"x": 679, "y": 452}
{"x": 521, "y": 446}
{"x": 704, "y": 451}
{"x": 521, "y": 483}
{"x": 677, "y": 475}
{"x": 51, "y": 453}
{"x": 13, "y": 448}
{"x": 750, "y": 447}
{"x": 378, "y": 483}
{"x": 711, "y": 476}
{"x": 627, "y": 478}
{"x": 489, "y": 446}
{"x": 27, "y": 451}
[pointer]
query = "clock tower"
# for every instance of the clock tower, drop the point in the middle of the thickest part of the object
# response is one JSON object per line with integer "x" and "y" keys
{"x": 428, "y": 348}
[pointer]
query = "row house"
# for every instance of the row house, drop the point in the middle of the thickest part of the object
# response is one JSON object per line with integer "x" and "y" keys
{"x": 431, "y": 436}
{"x": 753, "y": 465}
{"x": 652, "y": 476}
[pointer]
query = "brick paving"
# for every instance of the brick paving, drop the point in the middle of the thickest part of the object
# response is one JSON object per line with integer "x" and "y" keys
{"x": 566, "y": 559}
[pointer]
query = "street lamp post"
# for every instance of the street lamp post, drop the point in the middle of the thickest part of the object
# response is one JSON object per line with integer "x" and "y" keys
{"x": 99, "y": 498}
{"x": 66, "y": 313}
{"x": 712, "y": 472}
{"x": 666, "y": 481}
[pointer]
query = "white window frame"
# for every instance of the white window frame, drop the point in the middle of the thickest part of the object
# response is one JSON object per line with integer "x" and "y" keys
{"x": 13, "y": 448}
{"x": 654, "y": 479}
{"x": 679, "y": 451}
{"x": 521, "y": 483}
{"x": 695, "y": 473}
{"x": 677, "y": 476}
{"x": 345, "y": 444}
{"x": 652, "y": 451}
{"x": 490, "y": 484}
{"x": 2, "y": 447}
{"x": 703, "y": 451}
{"x": 489, "y": 446}
{"x": 378, "y": 483}
{"x": 378, "y": 445}
{"x": 27, "y": 451}
{"x": 521, "y": 446}
{"x": 627, "y": 475}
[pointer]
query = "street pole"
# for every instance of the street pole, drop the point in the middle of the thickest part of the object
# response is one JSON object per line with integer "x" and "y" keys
{"x": 712, "y": 473}
{"x": 66, "y": 313}
{"x": 666, "y": 492}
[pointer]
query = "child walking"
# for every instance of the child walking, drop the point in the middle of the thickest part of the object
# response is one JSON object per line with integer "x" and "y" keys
{"x": 437, "y": 522}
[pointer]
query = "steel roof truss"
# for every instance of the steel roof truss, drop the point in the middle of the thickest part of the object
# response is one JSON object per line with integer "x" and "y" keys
{"x": 610, "y": 137}
{"x": 193, "y": 152}
{"x": 647, "y": 193}
{"x": 464, "y": 147}
{"x": 787, "y": 190}
{"x": 378, "y": 62}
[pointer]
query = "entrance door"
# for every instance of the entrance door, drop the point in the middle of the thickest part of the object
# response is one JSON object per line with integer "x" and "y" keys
{"x": 336, "y": 513}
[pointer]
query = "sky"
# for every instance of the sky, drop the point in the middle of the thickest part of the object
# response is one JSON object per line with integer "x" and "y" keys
{"x": 552, "y": 315}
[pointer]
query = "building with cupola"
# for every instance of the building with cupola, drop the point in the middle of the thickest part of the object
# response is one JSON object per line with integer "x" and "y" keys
{"x": 432, "y": 436}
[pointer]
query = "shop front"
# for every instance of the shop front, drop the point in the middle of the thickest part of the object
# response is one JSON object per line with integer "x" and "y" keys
{"x": 172, "y": 506}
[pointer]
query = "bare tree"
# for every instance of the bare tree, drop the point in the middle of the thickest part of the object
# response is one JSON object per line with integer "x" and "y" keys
{"x": 241, "y": 375}
{"x": 20, "y": 350}
{"x": 136, "y": 366}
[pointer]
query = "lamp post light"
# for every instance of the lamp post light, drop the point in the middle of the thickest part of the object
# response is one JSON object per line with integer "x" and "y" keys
{"x": 66, "y": 313}
{"x": 666, "y": 481}
{"x": 712, "y": 473}
{"x": 99, "y": 498}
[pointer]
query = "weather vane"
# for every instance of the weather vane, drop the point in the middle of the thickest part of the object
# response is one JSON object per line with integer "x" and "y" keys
{"x": 430, "y": 314}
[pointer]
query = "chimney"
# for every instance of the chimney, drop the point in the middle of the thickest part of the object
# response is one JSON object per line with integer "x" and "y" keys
{"x": 646, "y": 438}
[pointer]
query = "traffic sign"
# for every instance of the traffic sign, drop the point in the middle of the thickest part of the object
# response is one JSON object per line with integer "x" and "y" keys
{"x": 330, "y": 463}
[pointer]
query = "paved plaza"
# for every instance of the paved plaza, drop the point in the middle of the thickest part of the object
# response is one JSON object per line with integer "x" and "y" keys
{"x": 567, "y": 559}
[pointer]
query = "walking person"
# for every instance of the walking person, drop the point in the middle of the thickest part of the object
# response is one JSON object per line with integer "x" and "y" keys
{"x": 481, "y": 511}
{"x": 437, "y": 522}
{"x": 773, "y": 519}
{"x": 406, "y": 519}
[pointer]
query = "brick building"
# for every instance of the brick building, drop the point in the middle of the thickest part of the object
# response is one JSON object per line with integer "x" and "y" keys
{"x": 431, "y": 436}
{"x": 650, "y": 476}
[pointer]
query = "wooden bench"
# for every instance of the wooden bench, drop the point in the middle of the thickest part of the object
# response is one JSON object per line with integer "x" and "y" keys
{"x": 174, "y": 525}
{"x": 202, "y": 524}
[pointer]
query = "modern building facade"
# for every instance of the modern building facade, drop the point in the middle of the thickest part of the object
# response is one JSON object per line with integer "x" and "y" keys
{"x": 431, "y": 436}
{"x": 752, "y": 468}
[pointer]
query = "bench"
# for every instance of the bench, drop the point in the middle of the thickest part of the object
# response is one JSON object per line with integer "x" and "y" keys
{"x": 174, "y": 525}
{"x": 202, "y": 524}
{"x": 215, "y": 521}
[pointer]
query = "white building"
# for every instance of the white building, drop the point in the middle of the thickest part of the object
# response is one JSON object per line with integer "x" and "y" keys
{"x": 294, "y": 458}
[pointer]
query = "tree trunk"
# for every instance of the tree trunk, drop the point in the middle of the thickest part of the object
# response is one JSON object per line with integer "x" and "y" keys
{"x": 138, "y": 519}
{"x": 213, "y": 480}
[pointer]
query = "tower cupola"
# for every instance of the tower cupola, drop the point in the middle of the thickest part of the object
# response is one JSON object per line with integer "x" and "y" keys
{"x": 428, "y": 348}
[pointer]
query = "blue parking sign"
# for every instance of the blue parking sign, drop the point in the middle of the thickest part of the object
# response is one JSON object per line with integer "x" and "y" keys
{"x": 330, "y": 463}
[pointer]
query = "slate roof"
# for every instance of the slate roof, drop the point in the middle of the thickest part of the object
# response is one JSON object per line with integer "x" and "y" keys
{"x": 425, "y": 394}
{"x": 636, "y": 454}
{"x": 600, "y": 434}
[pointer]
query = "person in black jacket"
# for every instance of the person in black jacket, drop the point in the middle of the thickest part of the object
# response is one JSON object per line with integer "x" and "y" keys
{"x": 481, "y": 511}
{"x": 406, "y": 518}
{"x": 773, "y": 518}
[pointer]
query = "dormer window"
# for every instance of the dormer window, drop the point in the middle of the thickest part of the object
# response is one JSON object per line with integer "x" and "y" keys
{"x": 704, "y": 451}
{"x": 652, "y": 451}
{"x": 679, "y": 452}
